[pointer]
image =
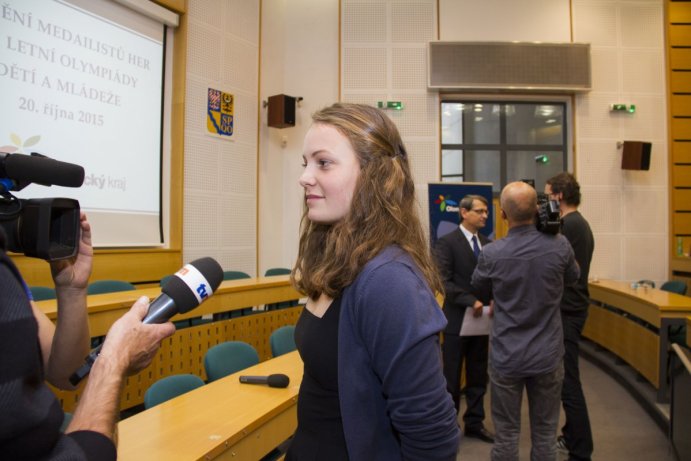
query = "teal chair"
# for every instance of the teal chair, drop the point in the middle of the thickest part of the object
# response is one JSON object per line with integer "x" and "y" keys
{"x": 42, "y": 293}
{"x": 282, "y": 340}
{"x": 234, "y": 275}
{"x": 227, "y": 358}
{"x": 282, "y": 304}
{"x": 165, "y": 279}
{"x": 677, "y": 334}
{"x": 674, "y": 286}
{"x": 108, "y": 286}
{"x": 277, "y": 271}
{"x": 170, "y": 387}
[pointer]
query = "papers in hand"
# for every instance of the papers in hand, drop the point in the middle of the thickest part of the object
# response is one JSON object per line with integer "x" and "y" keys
{"x": 476, "y": 326}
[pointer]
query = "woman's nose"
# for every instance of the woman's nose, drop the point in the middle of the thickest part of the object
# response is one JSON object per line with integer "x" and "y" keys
{"x": 306, "y": 178}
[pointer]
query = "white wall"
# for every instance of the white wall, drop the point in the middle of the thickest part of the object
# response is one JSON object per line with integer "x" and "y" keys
{"x": 627, "y": 210}
{"x": 384, "y": 58}
{"x": 221, "y": 175}
{"x": 502, "y": 20}
{"x": 299, "y": 58}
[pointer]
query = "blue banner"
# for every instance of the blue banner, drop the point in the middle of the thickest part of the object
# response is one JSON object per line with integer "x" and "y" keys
{"x": 444, "y": 199}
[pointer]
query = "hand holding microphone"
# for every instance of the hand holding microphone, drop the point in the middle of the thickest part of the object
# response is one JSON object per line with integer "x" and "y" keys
{"x": 275, "y": 380}
{"x": 130, "y": 347}
{"x": 189, "y": 287}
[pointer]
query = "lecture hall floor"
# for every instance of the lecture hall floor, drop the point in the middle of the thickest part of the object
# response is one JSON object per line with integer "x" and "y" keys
{"x": 622, "y": 429}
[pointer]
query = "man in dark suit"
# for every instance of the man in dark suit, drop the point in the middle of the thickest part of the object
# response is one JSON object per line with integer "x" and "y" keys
{"x": 456, "y": 255}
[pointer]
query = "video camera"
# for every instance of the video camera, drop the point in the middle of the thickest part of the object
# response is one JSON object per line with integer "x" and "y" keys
{"x": 548, "y": 218}
{"x": 45, "y": 228}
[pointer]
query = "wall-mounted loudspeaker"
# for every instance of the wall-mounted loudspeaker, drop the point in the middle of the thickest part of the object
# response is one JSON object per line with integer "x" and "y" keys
{"x": 281, "y": 111}
{"x": 636, "y": 155}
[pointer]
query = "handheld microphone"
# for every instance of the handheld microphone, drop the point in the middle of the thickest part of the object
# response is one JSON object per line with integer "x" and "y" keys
{"x": 275, "y": 380}
{"x": 37, "y": 168}
{"x": 187, "y": 289}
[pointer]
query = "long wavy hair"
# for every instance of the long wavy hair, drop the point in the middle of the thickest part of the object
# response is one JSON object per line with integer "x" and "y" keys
{"x": 383, "y": 210}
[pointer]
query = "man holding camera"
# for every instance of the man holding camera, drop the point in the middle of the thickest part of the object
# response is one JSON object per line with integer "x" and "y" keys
{"x": 525, "y": 274}
{"x": 32, "y": 350}
{"x": 576, "y": 436}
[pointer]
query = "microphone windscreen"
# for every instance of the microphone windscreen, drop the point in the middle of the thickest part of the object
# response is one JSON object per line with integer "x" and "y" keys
{"x": 278, "y": 380}
{"x": 193, "y": 283}
{"x": 43, "y": 170}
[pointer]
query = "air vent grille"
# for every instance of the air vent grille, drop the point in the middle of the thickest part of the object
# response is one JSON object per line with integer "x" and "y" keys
{"x": 509, "y": 66}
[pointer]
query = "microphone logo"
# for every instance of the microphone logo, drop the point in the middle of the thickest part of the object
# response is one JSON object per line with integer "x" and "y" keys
{"x": 196, "y": 282}
{"x": 201, "y": 291}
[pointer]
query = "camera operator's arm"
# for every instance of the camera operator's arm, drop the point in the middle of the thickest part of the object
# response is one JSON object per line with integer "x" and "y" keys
{"x": 129, "y": 347}
{"x": 64, "y": 346}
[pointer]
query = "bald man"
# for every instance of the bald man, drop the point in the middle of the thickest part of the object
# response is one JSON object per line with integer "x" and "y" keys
{"x": 525, "y": 273}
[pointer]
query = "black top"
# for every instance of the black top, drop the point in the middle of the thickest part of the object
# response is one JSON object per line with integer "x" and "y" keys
{"x": 577, "y": 231}
{"x": 319, "y": 435}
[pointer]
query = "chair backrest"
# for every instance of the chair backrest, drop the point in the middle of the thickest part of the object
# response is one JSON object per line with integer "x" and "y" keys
{"x": 42, "y": 293}
{"x": 108, "y": 286}
{"x": 675, "y": 286}
{"x": 277, "y": 271}
{"x": 169, "y": 387}
{"x": 164, "y": 280}
{"x": 227, "y": 358}
{"x": 282, "y": 340}
{"x": 235, "y": 275}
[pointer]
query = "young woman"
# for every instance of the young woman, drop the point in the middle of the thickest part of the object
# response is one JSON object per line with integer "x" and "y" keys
{"x": 373, "y": 387}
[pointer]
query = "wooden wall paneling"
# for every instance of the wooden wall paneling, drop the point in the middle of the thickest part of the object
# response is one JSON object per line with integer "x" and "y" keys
{"x": 184, "y": 352}
{"x": 630, "y": 341}
{"x": 681, "y": 104}
{"x": 679, "y": 58}
{"x": 682, "y": 224}
{"x": 680, "y": 82}
{"x": 681, "y": 175}
{"x": 681, "y": 199}
{"x": 681, "y": 151}
{"x": 679, "y": 34}
{"x": 678, "y": 12}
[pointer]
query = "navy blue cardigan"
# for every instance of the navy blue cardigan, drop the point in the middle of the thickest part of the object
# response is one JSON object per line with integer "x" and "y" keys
{"x": 393, "y": 396}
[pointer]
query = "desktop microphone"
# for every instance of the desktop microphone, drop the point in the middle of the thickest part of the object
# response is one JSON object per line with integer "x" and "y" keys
{"x": 276, "y": 380}
{"x": 188, "y": 288}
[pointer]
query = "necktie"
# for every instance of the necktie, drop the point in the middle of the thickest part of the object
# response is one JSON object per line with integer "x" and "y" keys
{"x": 476, "y": 247}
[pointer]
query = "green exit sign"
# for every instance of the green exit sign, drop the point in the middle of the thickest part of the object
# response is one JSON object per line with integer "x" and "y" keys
{"x": 631, "y": 109}
{"x": 395, "y": 105}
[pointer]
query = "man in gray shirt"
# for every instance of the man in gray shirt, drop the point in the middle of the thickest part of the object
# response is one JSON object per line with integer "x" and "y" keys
{"x": 525, "y": 273}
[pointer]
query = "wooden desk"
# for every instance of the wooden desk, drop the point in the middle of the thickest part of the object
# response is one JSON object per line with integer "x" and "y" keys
{"x": 614, "y": 323}
{"x": 221, "y": 420}
{"x": 104, "y": 309}
{"x": 184, "y": 351}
